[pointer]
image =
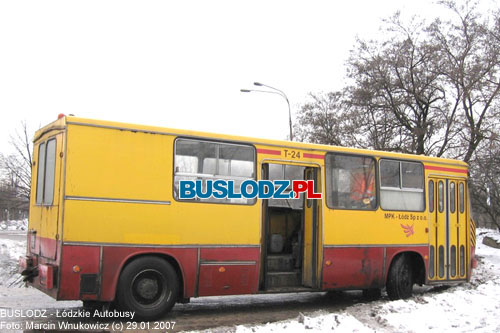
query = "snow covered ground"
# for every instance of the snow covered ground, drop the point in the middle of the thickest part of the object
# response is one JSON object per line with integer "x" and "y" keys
{"x": 10, "y": 251}
{"x": 14, "y": 225}
{"x": 466, "y": 307}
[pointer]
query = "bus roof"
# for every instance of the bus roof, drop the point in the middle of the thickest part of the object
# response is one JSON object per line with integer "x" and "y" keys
{"x": 62, "y": 122}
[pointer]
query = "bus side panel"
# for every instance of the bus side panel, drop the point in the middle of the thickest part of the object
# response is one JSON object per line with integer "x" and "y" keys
{"x": 353, "y": 267}
{"x": 229, "y": 271}
{"x": 86, "y": 258}
{"x": 391, "y": 252}
{"x": 104, "y": 275}
{"x": 360, "y": 268}
{"x": 114, "y": 259}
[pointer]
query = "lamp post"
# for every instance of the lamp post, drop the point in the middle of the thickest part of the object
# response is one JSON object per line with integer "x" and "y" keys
{"x": 277, "y": 92}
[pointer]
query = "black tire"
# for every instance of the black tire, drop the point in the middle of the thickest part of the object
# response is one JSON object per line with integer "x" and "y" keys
{"x": 400, "y": 279}
{"x": 149, "y": 286}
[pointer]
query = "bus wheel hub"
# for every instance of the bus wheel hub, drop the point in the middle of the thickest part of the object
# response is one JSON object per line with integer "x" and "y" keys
{"x": 147, "y": 288}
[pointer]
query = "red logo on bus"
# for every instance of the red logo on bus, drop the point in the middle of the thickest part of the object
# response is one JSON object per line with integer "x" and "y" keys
{"x": 408, "y": 229}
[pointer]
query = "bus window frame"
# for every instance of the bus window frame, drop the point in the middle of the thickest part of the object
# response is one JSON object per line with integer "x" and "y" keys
{"x": 424, "y": 189}
{"x": 40, "y": 174}
{"x": 431, "y": 200}
{"x": 377, "y": 192}
{"x": 250, "y": 202}
{"x": 44, "y": 202}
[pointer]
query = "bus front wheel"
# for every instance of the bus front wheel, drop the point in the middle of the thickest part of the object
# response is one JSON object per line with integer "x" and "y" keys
{"x": 149, "y": 286}
{"x": 400, "y": 278}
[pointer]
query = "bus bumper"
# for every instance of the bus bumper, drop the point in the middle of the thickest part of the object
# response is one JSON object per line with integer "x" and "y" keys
{"x": 41, "y": 276}
{"x": 474, "y": 262}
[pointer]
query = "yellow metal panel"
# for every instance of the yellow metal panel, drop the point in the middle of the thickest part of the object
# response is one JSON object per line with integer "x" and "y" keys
{"x": 353, "y": 227}
{"x": 109, "y": 163}
{"x": 176, "y": 224}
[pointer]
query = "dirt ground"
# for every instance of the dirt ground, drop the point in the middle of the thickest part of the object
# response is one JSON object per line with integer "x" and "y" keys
{"x": 219, "y": 314}
{"x": 226, "y": 313}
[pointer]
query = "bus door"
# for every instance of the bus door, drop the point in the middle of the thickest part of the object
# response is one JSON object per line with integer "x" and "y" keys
{"x": 447, "y": 249}
{"x": 290, "y": 242}
{"x": 312, "y": 215}
{"x": 462, "y": 252}
{"x": 44, "y": 215}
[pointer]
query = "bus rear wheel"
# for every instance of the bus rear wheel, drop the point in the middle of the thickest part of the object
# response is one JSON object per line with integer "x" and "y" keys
{"x": 400, "y": 278}
{"x": 149, "y": 286}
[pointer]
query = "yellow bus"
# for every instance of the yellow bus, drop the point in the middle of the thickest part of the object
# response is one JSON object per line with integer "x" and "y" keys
{"x": 107, "y": 224}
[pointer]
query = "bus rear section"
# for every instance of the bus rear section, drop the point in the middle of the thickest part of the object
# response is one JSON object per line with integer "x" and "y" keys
{"x": 42, "y": 260}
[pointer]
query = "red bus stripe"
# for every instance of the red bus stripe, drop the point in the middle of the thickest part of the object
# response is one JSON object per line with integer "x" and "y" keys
{"x": 269, "y": 151}
{"x": 436, "y": 168}
{"x": 307, "y": 155}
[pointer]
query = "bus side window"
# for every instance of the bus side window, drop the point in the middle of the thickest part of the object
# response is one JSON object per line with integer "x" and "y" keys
{"x": 461, "y": 197}
{"x": 452, "y": 196}
{"x": 46, "y": 173}
{"x": 441, "y": 196}
{"x": 40, "y": 173}
{"x": 204, "y": 160}
{"x": 401, "y": 185}
{"x": 350, "y": 182}
{"x": 431, "y": 196}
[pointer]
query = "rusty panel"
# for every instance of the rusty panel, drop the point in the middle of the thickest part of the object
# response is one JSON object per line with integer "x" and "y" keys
{"x": 353, "y": 267}
{"x": 87, "y": 258}
{"x": 224, "y": 279}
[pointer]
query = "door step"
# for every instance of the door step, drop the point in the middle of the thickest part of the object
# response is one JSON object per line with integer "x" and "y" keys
{"x": 283, "y": 279}
{"x": 280, "y": 263}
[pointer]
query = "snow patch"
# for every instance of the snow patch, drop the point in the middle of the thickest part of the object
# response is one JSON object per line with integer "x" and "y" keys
{"x": 315, "y": 322}
{"x": 13, "y": 225}
{"x": 10, "y": 251}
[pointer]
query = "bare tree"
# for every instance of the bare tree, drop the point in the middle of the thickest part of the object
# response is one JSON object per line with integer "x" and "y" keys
{"x": 398, "y": 81}
{"x": 17, "y": 166}
{"x": 470, "y": 48}
{"x": 485, "y": 176}
{"x": 323, "y": 120}
{"x": 422, "y": 88}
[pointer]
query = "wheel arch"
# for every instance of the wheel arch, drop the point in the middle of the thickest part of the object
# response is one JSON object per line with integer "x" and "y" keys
{"x": 417, "y": 261}
{"x": 168, "y": 258}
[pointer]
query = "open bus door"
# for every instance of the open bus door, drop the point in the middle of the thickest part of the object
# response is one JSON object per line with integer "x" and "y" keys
{"x": 291, "y": 248}
{"x": 311, "y": 231}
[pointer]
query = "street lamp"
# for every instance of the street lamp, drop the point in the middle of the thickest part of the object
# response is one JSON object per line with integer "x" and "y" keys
{"x": 277, "y": 92}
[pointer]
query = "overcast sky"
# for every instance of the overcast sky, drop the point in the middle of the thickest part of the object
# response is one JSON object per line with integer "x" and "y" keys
{"x": 177, "y": 64}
